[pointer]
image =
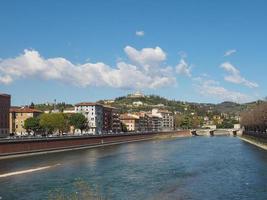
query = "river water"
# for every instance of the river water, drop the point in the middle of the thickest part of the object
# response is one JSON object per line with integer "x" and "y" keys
{"x": 184, "y": 168}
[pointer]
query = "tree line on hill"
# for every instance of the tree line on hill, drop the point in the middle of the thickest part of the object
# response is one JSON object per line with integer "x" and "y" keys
{"x": 49, "y": 123}
{"x": 255, "y": 119}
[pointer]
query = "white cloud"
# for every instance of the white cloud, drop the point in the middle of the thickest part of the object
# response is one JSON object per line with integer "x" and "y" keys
{"x": 140, "y": 33}
{"x": 183, "y": 68}
{"x": 229, "y": 52}
{"x": 211, "y": 88}
{"x": 235, "y": 77}
{"x": 147, "y": 58}
{"x": 123, "y": 75}
{"x": 6, "y": 79}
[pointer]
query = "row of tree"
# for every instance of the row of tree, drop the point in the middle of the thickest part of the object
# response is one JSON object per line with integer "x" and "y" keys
{"x": 255, "y": 119}
{"x": 187, "y": 121}
{"x": 55, "y": 123}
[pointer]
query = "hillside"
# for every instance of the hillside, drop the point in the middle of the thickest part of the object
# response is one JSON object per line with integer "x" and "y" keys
{"x": 130, "y": 104}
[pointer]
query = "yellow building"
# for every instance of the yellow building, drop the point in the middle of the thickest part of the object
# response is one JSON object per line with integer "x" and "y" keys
{"x": 130, "y": 121}
{"x": 18, "y": 116}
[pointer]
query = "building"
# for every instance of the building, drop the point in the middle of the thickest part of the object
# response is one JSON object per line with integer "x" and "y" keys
{"x": 130, "y": 121}
{"x": 116, "y": 123}
{"x": 167, "y": 118}
{"x": 143, "y": 121}
{"x": 17, "y": 117}
{"x": 70, "y": 110}
{"x": 111, "y": 119}
{"x": 94, "y": 114}
{"x": 155, "y": 122}
{"x": 137, "y": 94}
{"x": 137, "y": 103}
{"x": 4, "y": 114}
{"x": 107, "y": 119}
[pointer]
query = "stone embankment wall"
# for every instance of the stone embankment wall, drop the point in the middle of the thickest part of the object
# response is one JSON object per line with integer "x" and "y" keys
{"x": 30, "y": 146}
{"x": 256, "y": 138}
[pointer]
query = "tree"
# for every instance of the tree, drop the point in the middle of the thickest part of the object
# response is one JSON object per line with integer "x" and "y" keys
{"x": 79, "y": 121}
{"x": 195, "y": 122}
{"x": 32, "y": 124}
{"x": 177, "y": 120}
{"x": 123, "y": 127}
{"x": 47, "y": 123}
{"x": 53, "y": 122}
{"x": 186, "y": 122}
{"x": 255, "y": 119}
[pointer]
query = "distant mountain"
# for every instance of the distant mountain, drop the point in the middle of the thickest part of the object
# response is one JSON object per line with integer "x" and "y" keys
{"x": 229, "y": 107}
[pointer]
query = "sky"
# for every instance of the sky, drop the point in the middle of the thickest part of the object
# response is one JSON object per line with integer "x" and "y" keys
{"x": 188, "y": 50}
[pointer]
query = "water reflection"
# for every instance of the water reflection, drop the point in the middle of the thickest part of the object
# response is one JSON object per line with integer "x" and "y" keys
{"x": 191, "y": 168}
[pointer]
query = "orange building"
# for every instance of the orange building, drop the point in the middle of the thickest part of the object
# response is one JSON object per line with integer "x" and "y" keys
{"x": 130, "y": 121}
{"x": 18, "y": 116}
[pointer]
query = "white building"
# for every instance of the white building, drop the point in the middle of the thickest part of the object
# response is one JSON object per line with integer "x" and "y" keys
{"x": 137, "y": 94}
{"x": 70, "y": 110}
{"x": 94, "y": 114}
{"x": 167, "y": 118}
{"x": 137, "y": 103}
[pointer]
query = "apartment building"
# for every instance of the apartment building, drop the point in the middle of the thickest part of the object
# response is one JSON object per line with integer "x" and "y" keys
{"x": 155, "y": 122}
{"x": 167, "y": 118}
{"x": 94, "y": 114}
{"x": 4, "y": 114}
{"x": 116, "y": 123}
{"x": 107, "y": 119}
{"x": 131, "y": 121}
{"x": 111, "y": 119}
{"x": 143, "y": 121}
{"x": 17, "y": 117}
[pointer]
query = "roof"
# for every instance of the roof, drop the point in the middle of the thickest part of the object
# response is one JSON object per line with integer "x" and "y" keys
{"x": 88, "y": 104}
{"x": 24, "y": 110}
{"x": 4, "y": 95}
{"x": 128, "y": 116}
{"x": 110, "y": 107}
{"x": 165, "y": 111}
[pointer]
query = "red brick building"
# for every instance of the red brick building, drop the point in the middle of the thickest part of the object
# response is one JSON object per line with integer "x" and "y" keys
{"x": 107, "y": 119}
{"x": 111, "y": 120}
{"x": 4, "y": 114}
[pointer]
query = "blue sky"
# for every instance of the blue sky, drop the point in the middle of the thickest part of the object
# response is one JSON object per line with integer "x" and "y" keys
{"x": 72, "y": 51}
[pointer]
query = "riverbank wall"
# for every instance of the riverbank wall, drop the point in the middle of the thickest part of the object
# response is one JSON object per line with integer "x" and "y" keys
{"x": 255, "y": 138}
{"x": 23, "y": 147}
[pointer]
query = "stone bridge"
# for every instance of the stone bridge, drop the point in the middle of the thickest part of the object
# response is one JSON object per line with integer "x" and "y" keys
{"x": 216, "y": 132}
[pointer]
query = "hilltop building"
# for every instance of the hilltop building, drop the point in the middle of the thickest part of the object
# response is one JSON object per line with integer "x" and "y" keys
{"x": 137, "y": 94}
{"x": 4, "y": 114}
{"x": 17, "y": 117}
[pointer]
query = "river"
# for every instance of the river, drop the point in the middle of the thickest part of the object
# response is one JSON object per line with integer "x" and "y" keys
{"x": 185, "y": 168}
